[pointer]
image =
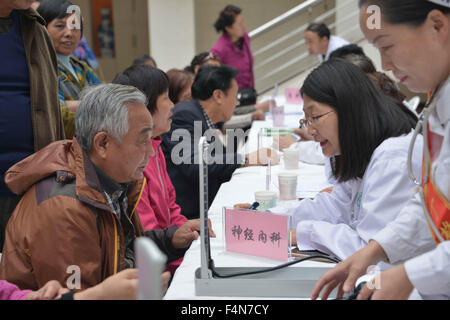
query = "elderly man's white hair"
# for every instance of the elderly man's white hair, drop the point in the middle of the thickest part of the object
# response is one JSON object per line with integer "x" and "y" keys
{"x": 105, "y": 108}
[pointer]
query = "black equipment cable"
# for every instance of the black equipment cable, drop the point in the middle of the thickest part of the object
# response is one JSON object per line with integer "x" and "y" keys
{"x": 211, "y": 265}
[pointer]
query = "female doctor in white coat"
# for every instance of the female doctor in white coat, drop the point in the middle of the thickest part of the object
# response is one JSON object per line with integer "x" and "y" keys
{"x": 414, "y": 42}
{"x": 366, "y": 135}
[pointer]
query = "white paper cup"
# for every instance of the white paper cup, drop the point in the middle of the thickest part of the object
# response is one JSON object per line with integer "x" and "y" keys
{"x": 291, "y": 158}
{"x": 288, "y": 186}
{"x": 266, "y": 199}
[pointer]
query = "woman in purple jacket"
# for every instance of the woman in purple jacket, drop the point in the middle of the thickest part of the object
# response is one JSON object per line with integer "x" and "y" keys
{"x": 233, "y": 47}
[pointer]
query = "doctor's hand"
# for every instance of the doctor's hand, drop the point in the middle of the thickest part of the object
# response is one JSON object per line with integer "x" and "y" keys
{"x": 293, "y": 232}
{"x": 346, "y": 273}
{"x": 283, "y": 142}
{"x": 262, "y": 157}
{"x": 392, "y": 284}
{"x": 303, "y": 133}
{"x": 242, "y": 205}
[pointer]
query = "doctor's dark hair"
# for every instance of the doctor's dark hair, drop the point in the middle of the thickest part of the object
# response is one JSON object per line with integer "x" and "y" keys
{"x": 366, "y": 117}
{"x": 320, "y": 28}
{"x": 409, "y": 12}
{"x": 151, "y": 81}
{"x": 55, "y": 9}
{"x": 226, "y": 18}
{"x": 347, "y": 50}
{"x": 210, "y": 78}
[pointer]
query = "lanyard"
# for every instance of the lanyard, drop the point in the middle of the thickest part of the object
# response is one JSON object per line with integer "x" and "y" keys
{"x": 422, "y": 128}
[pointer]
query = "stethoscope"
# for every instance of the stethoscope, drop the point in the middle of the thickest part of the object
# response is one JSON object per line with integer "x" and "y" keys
{"x": 421, "y": 127}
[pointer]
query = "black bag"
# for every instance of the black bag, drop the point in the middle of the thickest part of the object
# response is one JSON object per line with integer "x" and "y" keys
{"x": 246, "y": 97}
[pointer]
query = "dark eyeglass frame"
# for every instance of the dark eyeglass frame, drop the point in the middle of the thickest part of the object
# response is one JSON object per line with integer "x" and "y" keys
{"x": 305, "y": 122}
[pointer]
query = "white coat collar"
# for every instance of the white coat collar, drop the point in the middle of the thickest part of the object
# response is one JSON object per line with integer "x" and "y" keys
{"x": 443, "y": 104}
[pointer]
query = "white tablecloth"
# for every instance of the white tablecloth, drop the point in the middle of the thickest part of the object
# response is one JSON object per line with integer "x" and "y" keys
{"x": 240, "y": 189}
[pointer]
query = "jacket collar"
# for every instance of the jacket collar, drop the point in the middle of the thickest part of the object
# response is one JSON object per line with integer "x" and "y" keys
{"x": 88, "y": 186}
{"x": 443, "y": 98}
{"x": 32, "y": 15}
{"x": 156, "y": 142}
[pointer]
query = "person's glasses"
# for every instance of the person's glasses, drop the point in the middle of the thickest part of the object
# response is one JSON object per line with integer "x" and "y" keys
{"x": 304, "y": 123}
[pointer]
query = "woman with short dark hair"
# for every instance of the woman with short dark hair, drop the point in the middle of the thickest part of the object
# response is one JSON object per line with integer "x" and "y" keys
{"x": 366, "y": 135}
{"x": 74, "y": 75}
{"x": 180, "y": 82}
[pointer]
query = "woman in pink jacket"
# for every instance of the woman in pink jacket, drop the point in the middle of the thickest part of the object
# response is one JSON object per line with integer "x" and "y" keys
{"x": 157, "y": 207}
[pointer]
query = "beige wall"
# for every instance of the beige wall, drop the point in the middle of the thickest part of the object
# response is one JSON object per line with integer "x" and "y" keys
{"x": 172, "y": 32}
{"x": 131, "y": 34}
{"x": 255, "y": 13}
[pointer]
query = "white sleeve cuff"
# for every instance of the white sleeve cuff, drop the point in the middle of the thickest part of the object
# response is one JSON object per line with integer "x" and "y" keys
{"x": 430, "y": 273}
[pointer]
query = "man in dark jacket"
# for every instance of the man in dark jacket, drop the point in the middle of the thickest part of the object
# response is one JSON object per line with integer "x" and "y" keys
{"x": 78, "y": 215}
{"x": 30, "y": 116}
{"x": 214, "y": 94}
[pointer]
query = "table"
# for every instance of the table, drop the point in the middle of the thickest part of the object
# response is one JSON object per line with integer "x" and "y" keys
{"x": 240, "y": 189}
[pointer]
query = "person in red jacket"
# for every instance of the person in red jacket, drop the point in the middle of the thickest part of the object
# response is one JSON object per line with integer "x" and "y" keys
{"x": 157, "y": 207}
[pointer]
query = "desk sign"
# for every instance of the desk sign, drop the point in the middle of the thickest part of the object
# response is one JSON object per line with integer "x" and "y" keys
{"x": 257, "y": 233}
{"x": 293, "y": 96}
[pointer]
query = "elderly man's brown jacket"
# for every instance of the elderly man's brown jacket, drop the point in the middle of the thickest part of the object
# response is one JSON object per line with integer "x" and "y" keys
{"x": 63, "y": 222}
{"x": 43, "y": 69}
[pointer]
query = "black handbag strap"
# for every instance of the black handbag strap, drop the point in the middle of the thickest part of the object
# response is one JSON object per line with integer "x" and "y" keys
{"x": 249, "y": 57}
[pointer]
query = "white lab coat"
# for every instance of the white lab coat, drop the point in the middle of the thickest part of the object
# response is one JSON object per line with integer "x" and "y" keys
{"x": 309, "y": 152}
{"x": 335, "y": 43}
{"x": 344, "y": 221}
{"x": 409, "y": 237}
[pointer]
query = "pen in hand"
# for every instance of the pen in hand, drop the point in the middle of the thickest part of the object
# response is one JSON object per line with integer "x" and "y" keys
{"x": 254, "y": 206}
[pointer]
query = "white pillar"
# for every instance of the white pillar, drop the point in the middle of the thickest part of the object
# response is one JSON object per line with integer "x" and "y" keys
{"x": 172, "y": 32}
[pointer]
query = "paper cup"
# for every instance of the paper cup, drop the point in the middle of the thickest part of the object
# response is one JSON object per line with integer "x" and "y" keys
{"x": 266, "y": 199}
{"x": 291, "y": 158}
{"x": 288, "y": 186}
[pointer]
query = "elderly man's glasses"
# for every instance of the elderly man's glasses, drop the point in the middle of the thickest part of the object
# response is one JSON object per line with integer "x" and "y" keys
{"x": 304, "y": 123}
